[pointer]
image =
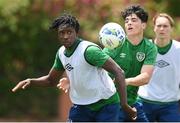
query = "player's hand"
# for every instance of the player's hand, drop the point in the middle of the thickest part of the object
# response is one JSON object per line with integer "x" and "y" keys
{"x": 132, "y": 112}
{"x": 64, "y": 84}
{"x": 22, "y": 85}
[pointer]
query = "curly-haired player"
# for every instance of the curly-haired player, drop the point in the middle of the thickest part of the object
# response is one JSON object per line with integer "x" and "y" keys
{"x": 90, "y": 85}
{"x": 136, "y": 57}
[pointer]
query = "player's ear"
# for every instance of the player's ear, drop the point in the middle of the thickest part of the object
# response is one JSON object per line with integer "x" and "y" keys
{"x": 144, "y": 25}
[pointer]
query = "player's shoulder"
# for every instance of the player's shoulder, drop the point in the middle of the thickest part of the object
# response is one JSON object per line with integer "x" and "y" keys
{"x": 85, "y": 42}
{"x": 90, "y": 46}
{"x": 61, "y": 48}
{"x": 149, "y": 43}
{"x": 176, "y": 43}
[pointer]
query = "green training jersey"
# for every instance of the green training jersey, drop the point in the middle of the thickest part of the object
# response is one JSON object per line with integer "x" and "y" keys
{"x": 95, "y": 57}
{"x": 131, "y": 58}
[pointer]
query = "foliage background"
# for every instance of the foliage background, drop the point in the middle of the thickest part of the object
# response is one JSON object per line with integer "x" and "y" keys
{"x": 28, "y": 48}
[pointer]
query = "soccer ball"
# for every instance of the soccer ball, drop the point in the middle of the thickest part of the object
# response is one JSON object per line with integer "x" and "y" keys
{"x": 112, "y": 35}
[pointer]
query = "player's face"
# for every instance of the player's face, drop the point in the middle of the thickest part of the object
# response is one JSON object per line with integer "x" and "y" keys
{"x": 67, "y": 36}
{"x": 134, "y": 26}
{"x": 162, "y": 28}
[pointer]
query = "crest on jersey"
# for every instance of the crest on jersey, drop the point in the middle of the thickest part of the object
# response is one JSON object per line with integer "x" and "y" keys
{"x": 140, "y": 56}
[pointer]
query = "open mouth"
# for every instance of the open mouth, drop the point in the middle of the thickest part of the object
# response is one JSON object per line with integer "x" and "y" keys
{"x": 130, "y": 28}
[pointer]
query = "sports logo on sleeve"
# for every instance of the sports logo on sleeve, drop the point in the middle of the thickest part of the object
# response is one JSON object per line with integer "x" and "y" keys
{"x": 140, "y": 56}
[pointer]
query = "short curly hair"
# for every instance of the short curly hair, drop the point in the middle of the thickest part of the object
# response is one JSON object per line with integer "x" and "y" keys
{"x": 65, "y": 20}
{"x": 135, "y": 9}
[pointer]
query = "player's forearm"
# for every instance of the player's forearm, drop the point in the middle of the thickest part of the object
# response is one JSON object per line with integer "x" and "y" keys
{"x": 121, "y": 88}
{"x": 122, "y": 94}
{"x": 43, "y": 81}
{"x": 139, "y": 80}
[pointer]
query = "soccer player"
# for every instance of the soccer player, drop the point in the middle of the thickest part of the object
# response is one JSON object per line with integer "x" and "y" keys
{"x": 160, "y": 97}
{"x": 136, "y": 57}
{"x": 90, "y": 85}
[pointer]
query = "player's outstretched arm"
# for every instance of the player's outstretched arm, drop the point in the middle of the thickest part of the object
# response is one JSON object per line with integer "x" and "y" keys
{"x": 49, "y": 80}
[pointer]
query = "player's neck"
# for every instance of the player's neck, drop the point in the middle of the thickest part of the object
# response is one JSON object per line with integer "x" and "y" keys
{"x": 135, "y": 39}
{"x": 162, "y": 42}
